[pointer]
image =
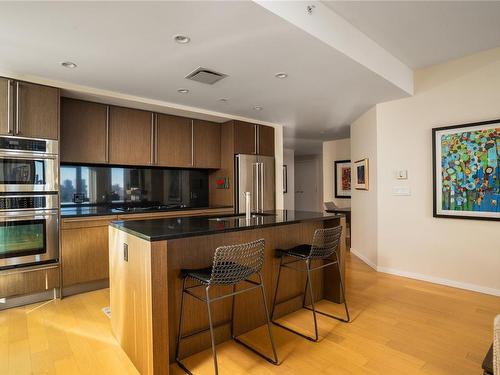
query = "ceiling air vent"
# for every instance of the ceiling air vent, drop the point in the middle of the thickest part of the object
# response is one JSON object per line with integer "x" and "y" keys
{"x": 205, "y": 75}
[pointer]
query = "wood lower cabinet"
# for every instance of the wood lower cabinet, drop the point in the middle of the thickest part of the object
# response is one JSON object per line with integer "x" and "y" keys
{"x": 27, "y": 281}
{"x": 85, "y": 255}
{"x": 37, "y": 113}
{"x": 174, "y": 137}
{"x": 83, "y": 131}
{"x": 206, "y": 143}
{"x": 130, "y": 136}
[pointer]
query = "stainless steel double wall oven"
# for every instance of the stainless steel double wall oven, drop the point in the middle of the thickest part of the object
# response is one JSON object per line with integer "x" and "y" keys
{"x": 29, "y": 202}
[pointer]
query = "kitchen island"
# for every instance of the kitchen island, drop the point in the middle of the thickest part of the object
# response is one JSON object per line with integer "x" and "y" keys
{"x": 145, "y": 286}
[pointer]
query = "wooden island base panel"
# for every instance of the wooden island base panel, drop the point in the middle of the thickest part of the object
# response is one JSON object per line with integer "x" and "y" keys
{"x": 145, "y": 287}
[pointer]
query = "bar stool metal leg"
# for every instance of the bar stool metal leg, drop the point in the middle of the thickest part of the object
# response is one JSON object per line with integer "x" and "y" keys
{"x": 276, "y": 290}
{"x": 212, "y": 337}
{"x": 311, "y": 292}
{"x": 179, "y": 332}
{"x": 342, "y": 288}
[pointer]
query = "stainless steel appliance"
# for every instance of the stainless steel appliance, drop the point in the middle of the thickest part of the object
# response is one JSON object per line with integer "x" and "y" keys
{"x": 28, "y": 165}
{"x": 29, "y": 229}
{"x": 255, "y": 174}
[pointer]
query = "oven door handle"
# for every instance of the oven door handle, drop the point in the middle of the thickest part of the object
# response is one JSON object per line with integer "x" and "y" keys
{"x": 23, "y": 216}
{"x": 22, "y": 155}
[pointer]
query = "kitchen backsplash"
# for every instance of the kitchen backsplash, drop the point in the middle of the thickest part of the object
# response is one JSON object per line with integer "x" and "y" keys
{"x": 103, "y": 185}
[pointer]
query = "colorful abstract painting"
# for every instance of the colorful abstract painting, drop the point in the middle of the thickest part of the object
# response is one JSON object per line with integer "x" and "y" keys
{"x": 342, "y": 182}
{"x": 467, "y": 171}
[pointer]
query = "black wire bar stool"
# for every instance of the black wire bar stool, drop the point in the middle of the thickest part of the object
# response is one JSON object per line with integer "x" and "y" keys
{"x": 324, "y": 247}
{"x": 231, "y": 265}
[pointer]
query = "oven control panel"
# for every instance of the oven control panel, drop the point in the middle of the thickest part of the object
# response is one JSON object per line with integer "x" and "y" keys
{"x": 21, "y": 144}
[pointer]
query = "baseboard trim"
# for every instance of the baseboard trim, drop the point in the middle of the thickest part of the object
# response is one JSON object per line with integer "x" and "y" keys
{"x": 429, "y": 279}
{"x": 364, "y": 259}
{"x": 85, "y": 287}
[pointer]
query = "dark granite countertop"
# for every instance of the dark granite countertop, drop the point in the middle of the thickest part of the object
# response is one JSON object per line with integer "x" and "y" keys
{"x": 191, "y": 226}
{"x": 83, "y": 211}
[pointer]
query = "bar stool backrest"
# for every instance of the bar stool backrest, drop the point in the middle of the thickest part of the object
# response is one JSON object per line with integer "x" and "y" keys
{"x": 325, "y": 242}
{"x": 235, "y": 263}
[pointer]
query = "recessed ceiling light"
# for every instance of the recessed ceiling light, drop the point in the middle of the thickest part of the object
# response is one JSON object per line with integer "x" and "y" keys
{"x": 223, "y": 100}
{"x": 257, "y": 107}
{"x": 281, "y": 75}
{"x": 182, "y": 39}
{"x": 69, "y": 64}
{"x": 183, "y": 91}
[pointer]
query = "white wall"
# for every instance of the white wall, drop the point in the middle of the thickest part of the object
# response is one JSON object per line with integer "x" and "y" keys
{"x": 339, "y": 149}
{"x": 289, "y": 196}
{"x": 364, "y": 203}
{"x": 410, "y": 242}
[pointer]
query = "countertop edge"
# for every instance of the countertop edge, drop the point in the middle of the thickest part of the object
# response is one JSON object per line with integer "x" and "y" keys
{"x": 117, "y": 224}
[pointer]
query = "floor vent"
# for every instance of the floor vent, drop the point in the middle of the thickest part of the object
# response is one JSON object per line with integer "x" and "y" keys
{"x": 205, "y": 75}
{"x": 107, "y": 311}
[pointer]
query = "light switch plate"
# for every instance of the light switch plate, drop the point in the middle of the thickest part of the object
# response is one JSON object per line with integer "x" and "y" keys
{"x": 401, "y": 190}
{"x": 402, "y": 174}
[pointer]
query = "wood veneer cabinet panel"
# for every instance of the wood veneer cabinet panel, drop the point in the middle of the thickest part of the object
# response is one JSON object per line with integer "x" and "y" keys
{"x": 244, "y": 138}
{"x": 266, "y": 140}
{"x": 130, "y": 136}
{"x": 4, "y": 106}
{"x": 206, "y": 142}
{"x": 38, "y": 110}
{"x": 85, "y": 254}
{"x": 174, "y": 141}
{"x": 14, "y": 283}
{"x": 83, "y": 131}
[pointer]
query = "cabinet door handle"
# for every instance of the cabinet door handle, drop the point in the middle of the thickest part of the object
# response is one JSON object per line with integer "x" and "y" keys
{"x": 255, "y": 139}
{"x": 152, "y": 138}
{"x": 9, "y": 107}
{"x": 192, "y": 143}
{"x": 107, "y": 134}
{"x": 18, "y": 110}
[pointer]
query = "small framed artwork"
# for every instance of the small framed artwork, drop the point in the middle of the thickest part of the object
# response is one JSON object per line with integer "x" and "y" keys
{"x": 361, "y": 176}
{"x": 466, "y": 171}
{"x": 342, "y": 179}
{"x": 285, "y": 179}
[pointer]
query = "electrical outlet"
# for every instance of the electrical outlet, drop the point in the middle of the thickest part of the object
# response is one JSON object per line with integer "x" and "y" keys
{"x": 125, "y": 252}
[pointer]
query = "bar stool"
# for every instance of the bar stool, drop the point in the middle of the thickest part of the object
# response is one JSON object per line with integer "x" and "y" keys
{"x": 324, "y": 246}
{"x": 231, "y": 265}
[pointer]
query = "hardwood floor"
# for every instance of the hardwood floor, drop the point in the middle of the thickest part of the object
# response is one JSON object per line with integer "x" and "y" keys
{"x": 400, "y": 326}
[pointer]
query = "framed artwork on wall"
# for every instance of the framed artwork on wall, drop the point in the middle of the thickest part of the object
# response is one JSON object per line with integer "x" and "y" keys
{"x": 342, "y": 179}
{"x": 361, "y": 177}
{"x": 466, "y": 171}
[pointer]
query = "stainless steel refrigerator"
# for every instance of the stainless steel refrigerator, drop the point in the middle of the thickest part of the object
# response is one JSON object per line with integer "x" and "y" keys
{"x": 255, "y": 174}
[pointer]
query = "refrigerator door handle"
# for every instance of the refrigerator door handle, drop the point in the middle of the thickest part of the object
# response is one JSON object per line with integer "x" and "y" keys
{"x": 262, "y": 186}
{"x": 255, "y": 167}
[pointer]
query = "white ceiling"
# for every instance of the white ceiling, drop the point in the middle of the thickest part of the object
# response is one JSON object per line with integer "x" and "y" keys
{"x": 423, "y": 33}
{"x": 127, "y": 48}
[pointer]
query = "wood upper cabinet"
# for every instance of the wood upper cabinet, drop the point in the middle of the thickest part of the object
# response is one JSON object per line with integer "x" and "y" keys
{"x": 83, "y": 131}
{"x": 130, "y": 136}
{"x": 206, "y": 143}
{"x": 174, "y": 141}
{"x": 6, "y": 120}
{"x": 253, "y": 139}
{"x": 37, "y": 111}
{"x": 265, "y": 142}
{"x": 244, "y": 138}
{"x": 29, "y": 110}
